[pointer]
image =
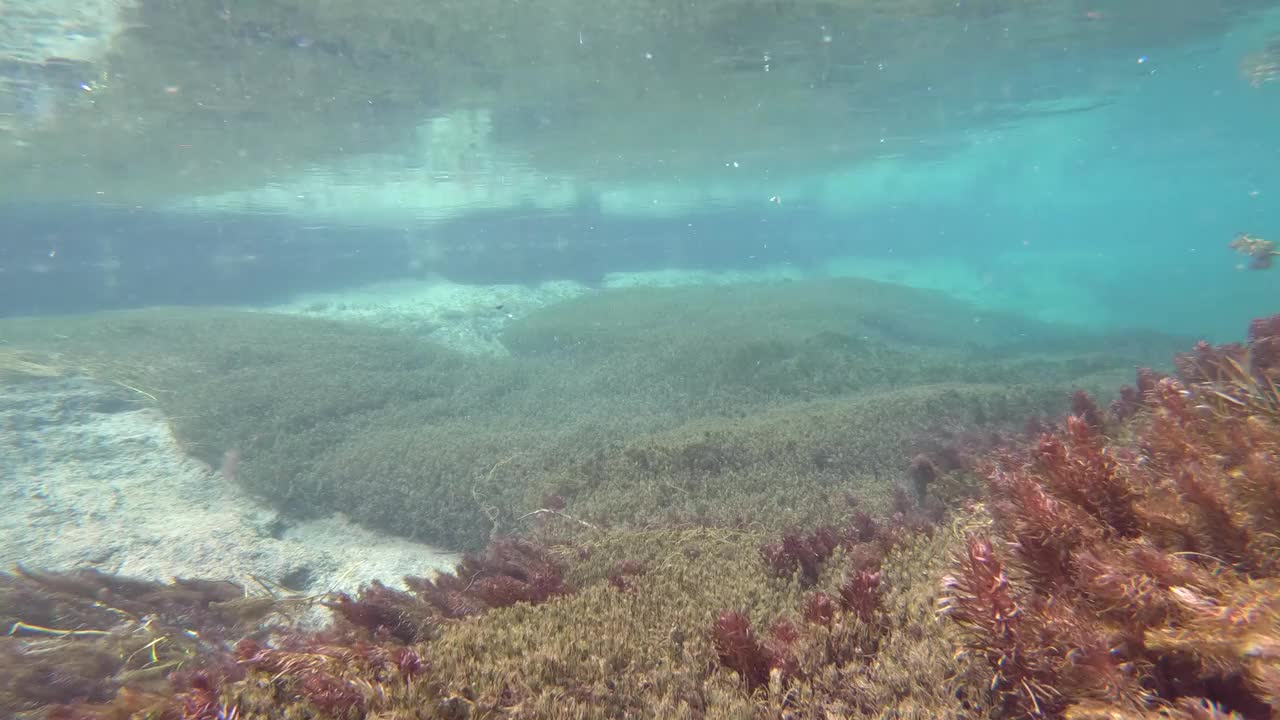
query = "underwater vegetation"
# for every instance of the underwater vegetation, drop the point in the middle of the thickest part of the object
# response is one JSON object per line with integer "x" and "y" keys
{"x": 687, "y": 405}
{"x": 1133, "y": 569}
{"x": 1123, "y": 563}
{"x": 90, "y": 637}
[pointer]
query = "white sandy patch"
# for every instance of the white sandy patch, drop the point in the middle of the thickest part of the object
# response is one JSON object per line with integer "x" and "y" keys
{"x": 467, "y": 318}
{"x": 90, "y": 479}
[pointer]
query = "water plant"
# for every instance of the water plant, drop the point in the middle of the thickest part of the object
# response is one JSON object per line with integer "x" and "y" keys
{"x": 1121, "y": 564}
{"x": 1138, "y": 575}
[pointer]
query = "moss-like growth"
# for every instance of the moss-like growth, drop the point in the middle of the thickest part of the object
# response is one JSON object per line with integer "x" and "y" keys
{"x": 899, "y": 661}
{"x": 1132, "y": 575}
{"x": 753, "y": 405}
{"x": 795, "y": 464}
{"x": 639, "y": 651}
{"x": 293, "y": 399}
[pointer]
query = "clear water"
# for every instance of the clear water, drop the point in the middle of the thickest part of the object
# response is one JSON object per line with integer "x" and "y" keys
{"x": 305, "y": 293}
{"x": 1076, "y": 163}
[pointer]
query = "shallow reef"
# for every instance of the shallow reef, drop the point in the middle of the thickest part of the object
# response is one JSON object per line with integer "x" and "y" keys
{"x": 1122, "y": 563}
{"x": 629, "y": 408}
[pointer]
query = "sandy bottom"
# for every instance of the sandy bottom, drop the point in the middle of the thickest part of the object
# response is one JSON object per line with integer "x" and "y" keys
{"x": 89, "y": 478}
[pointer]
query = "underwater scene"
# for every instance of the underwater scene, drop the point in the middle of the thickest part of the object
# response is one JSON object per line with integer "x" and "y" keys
{"x": 587, "y": 359}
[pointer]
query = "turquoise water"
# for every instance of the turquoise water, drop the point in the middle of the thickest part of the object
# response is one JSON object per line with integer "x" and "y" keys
{"x": 296, "y": 296}
{"x": 1102, "y": 193}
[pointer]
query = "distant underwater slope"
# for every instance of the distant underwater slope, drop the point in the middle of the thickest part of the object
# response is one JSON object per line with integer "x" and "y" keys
{"x": 626, "y": 407}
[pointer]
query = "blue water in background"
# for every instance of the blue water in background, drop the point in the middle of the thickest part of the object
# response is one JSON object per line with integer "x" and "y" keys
{"x": 1118, "y": 216}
